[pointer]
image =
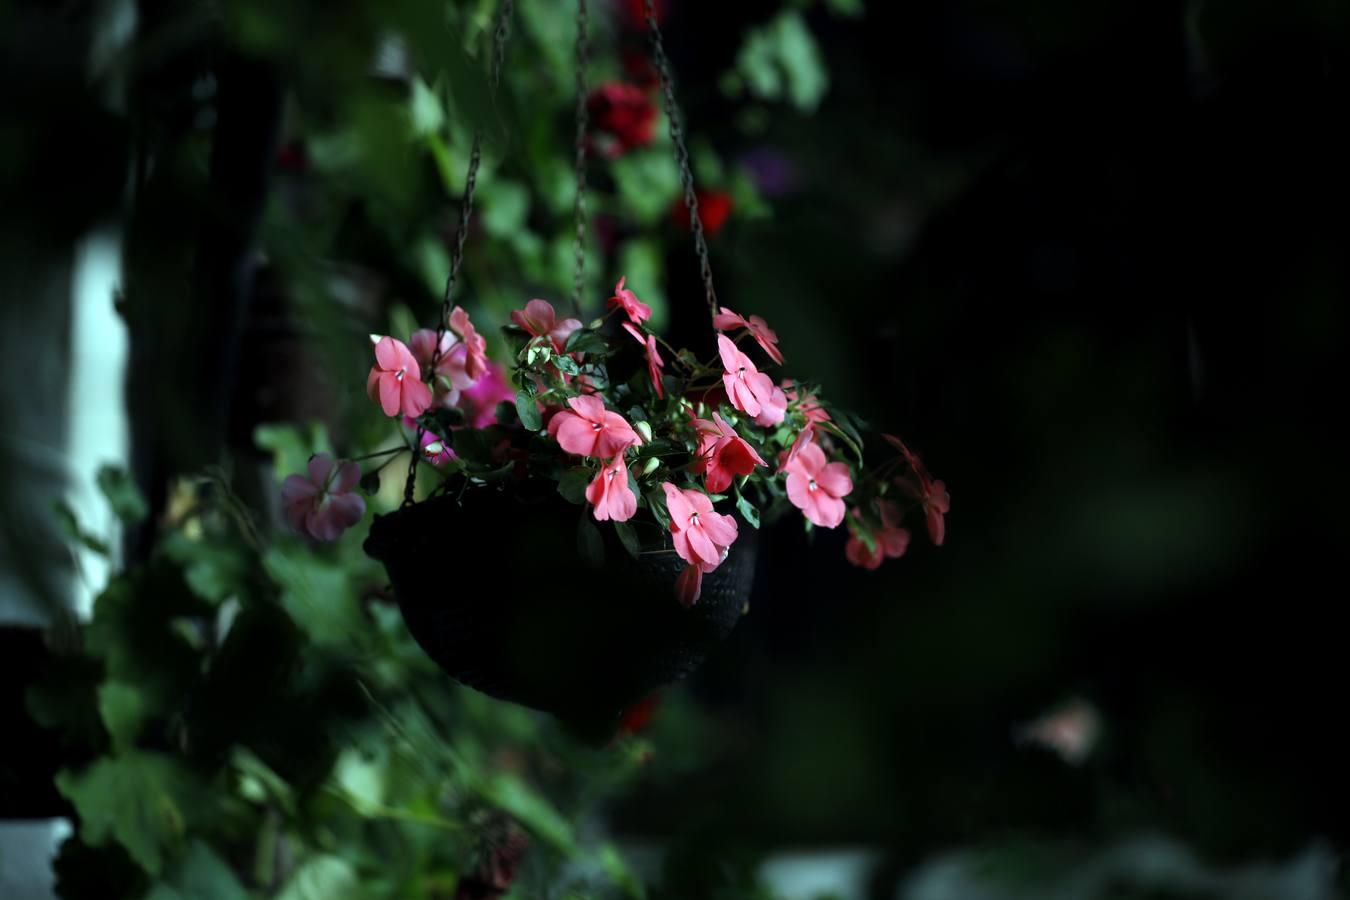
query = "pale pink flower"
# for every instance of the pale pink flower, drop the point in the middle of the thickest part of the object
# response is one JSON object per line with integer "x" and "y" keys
{"x": 727, "y": 320}
{"x": 610, "y": 494}
{"x": 930, "y": 493}
{"x": 748, "y": 389}
{"x": 890, "y": 541}
{"x": 817, "y": 487}
{"x": 450, "y": 376}
{"x": 588, "y": 429}
{"x": 774, "y": 410}
{"x": 722, "y": 454}
{"x": 395, "y": 381}
{"x": 322, "y": 505}
{"x": 1071, "y": 731}
{"x": 702, "y": 537}
{"x": 539, "y": 319}
{"x": 654, "y": 362}
{"x": 804, "y": 437}
{"x": 638, "y": 311}
{"x": 475, "y": 363}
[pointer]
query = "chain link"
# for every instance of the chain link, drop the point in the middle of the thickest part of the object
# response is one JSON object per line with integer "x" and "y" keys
{"x": 579, "y": 204}
{"x": 500, "y": 35}
{"x": 681, "y": 154}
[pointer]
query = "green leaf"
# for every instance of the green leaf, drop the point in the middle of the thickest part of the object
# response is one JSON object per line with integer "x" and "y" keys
{"x": 471, "y": 445}
{"x": 505, "y": 205}
{"x": 573, "y": 484}
{"x": 583, "y": 340}
{"x": 317, "y": 594}
{"x": 528, "y": 412}
{"x": 620, "y": 874}
{"x": 533, "y": 810}
{"x": 747, "y": 509}
{"x": 291, "y": 445}
{"x": 590, "y": 544}
{"x": 147, "y": 802}
{"x": 566, "y": 364}
{"x": 123, "y": 495}
{"x": 323, "y": 877}
{"x": 123, "y": 710}
{"x": 628, "y": 538}
{"x": 199, "y": 875}
{"x": 656, "y": 499}
{"x": 70, "y": 525}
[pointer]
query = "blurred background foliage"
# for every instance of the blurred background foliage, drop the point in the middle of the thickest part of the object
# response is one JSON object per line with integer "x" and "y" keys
{"x": 1088, "y": 259}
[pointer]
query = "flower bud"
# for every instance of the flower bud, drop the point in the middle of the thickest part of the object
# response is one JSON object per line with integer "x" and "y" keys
{"x": 595, "y": 324}
{"x": 650, "y": 466}
{"x": 644, "y": 428}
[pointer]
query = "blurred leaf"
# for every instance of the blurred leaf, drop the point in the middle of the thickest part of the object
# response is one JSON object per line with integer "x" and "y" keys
{"x": 628, "y": 538}
{"x": 782, "y": 61}
{"x": 471, "y": 445}
{"x": 323, "y": 878}
{"x": 573, "y": 484}
{"x": 620, "y": 874}
{"x": 505, "y": 207}
{"x": 70, "y": 526}
{"x": 747, "y": 509}
{"x": 424, "y": 108}
{"x": 215, "y": 570}
{"x": 648, "y": 183}
{"x": 532, "y": 808}
{"x": 316, "y": 594}
{"x": 292, "y": 445}
{"x": 144, "y": 801}
{"x": 590, "y": 544}
{"x": 199, "y": 875}
{"x": 123, "y": 711}
{"x": 122, "y": 494}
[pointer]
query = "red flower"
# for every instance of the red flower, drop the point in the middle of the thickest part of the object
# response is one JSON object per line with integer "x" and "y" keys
{"x": 654, "y": 361}
{"x": 624, "y": 115}
{"x": 722, "y": 454}
{"x": 637, "y": 717}
{"x": 889, "y": 542}
{"x": 726, "y": 320}
{"x": 714, "y": 207}
{"x": 638, "y": 311}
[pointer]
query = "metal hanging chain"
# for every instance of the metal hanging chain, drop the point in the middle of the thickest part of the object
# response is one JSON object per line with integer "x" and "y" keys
{"x": 681, "y": 154}
{"x": 579, "y": 204}
{"x": 500, "y": 35}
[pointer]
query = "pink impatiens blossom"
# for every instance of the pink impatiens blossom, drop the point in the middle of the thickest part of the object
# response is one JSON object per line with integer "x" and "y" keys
{"x": 475, "y": 363}
{"x": 610, "y": 494}
{"x": 817, "y": 487}
{"x": 747, "y": 388}
{"x": 322, "y": 505}
{"x": 722, "y": 454}
{"x": 654, "y": 362}
{"x": 701, "y": 537}
{"x": 638, "y": 311}
{"x": 539, "y": 319}
{"x": 588, "y": 429}
{"x": 931, "y": 494}
{"x": 395, "y": 381}
{"x": 774, "y": 409}
{"x": 758, "y": 328}
{"x": 479, "y": 402}
{"x": 450, "y": 376}
{"x": 889, "y": 542}
{"x": 807, "y": 404}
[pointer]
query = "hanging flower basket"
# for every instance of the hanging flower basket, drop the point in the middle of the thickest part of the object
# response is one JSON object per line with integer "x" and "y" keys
{"x": 602, "y": 524}
{"x": 541, "y": 626}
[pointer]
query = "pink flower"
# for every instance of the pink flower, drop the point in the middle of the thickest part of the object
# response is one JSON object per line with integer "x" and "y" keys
{"x": 323, "y": 505}
{"x": 702, "y": 538}
{"x": 774, "y": 410}
{"x": 722, "y": 454}
{"x": 435, "y": 450}
{"x": 450, "y": 376}
{"x": 936, "y": 504}
{"x": 395, "y": 381}
{"x": 748, "y": 389}
{"x": 808, "y": 406}
{"x": 638, "y": 311}
{"x": 588, "y": 429}
{"x": 804, "y": 437}
{"x": 817, "y": 487}
{"x": 654, "y": 361}
{"x": 889, "y": 542}
{"x": 540, "y": 320}
{"x": 727, "y": 320}
{"x": 479, "y": 402}
{"x": 476, "y": 361}
{"x": 610, "y": 494}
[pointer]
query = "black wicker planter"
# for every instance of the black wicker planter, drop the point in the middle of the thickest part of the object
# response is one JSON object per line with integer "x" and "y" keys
{"x": 494, "y": 590}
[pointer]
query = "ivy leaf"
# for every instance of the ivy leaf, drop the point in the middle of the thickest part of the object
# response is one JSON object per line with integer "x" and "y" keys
{"x": 573, "y": 484}
{"x": 144, "y": 801}
{"x": 122, "y": 494}
{"x": 628, "y": 538}
{"x": 590, "y": 544}
{"x": 747, "y": 509}
{"x": 528, "y": 412}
